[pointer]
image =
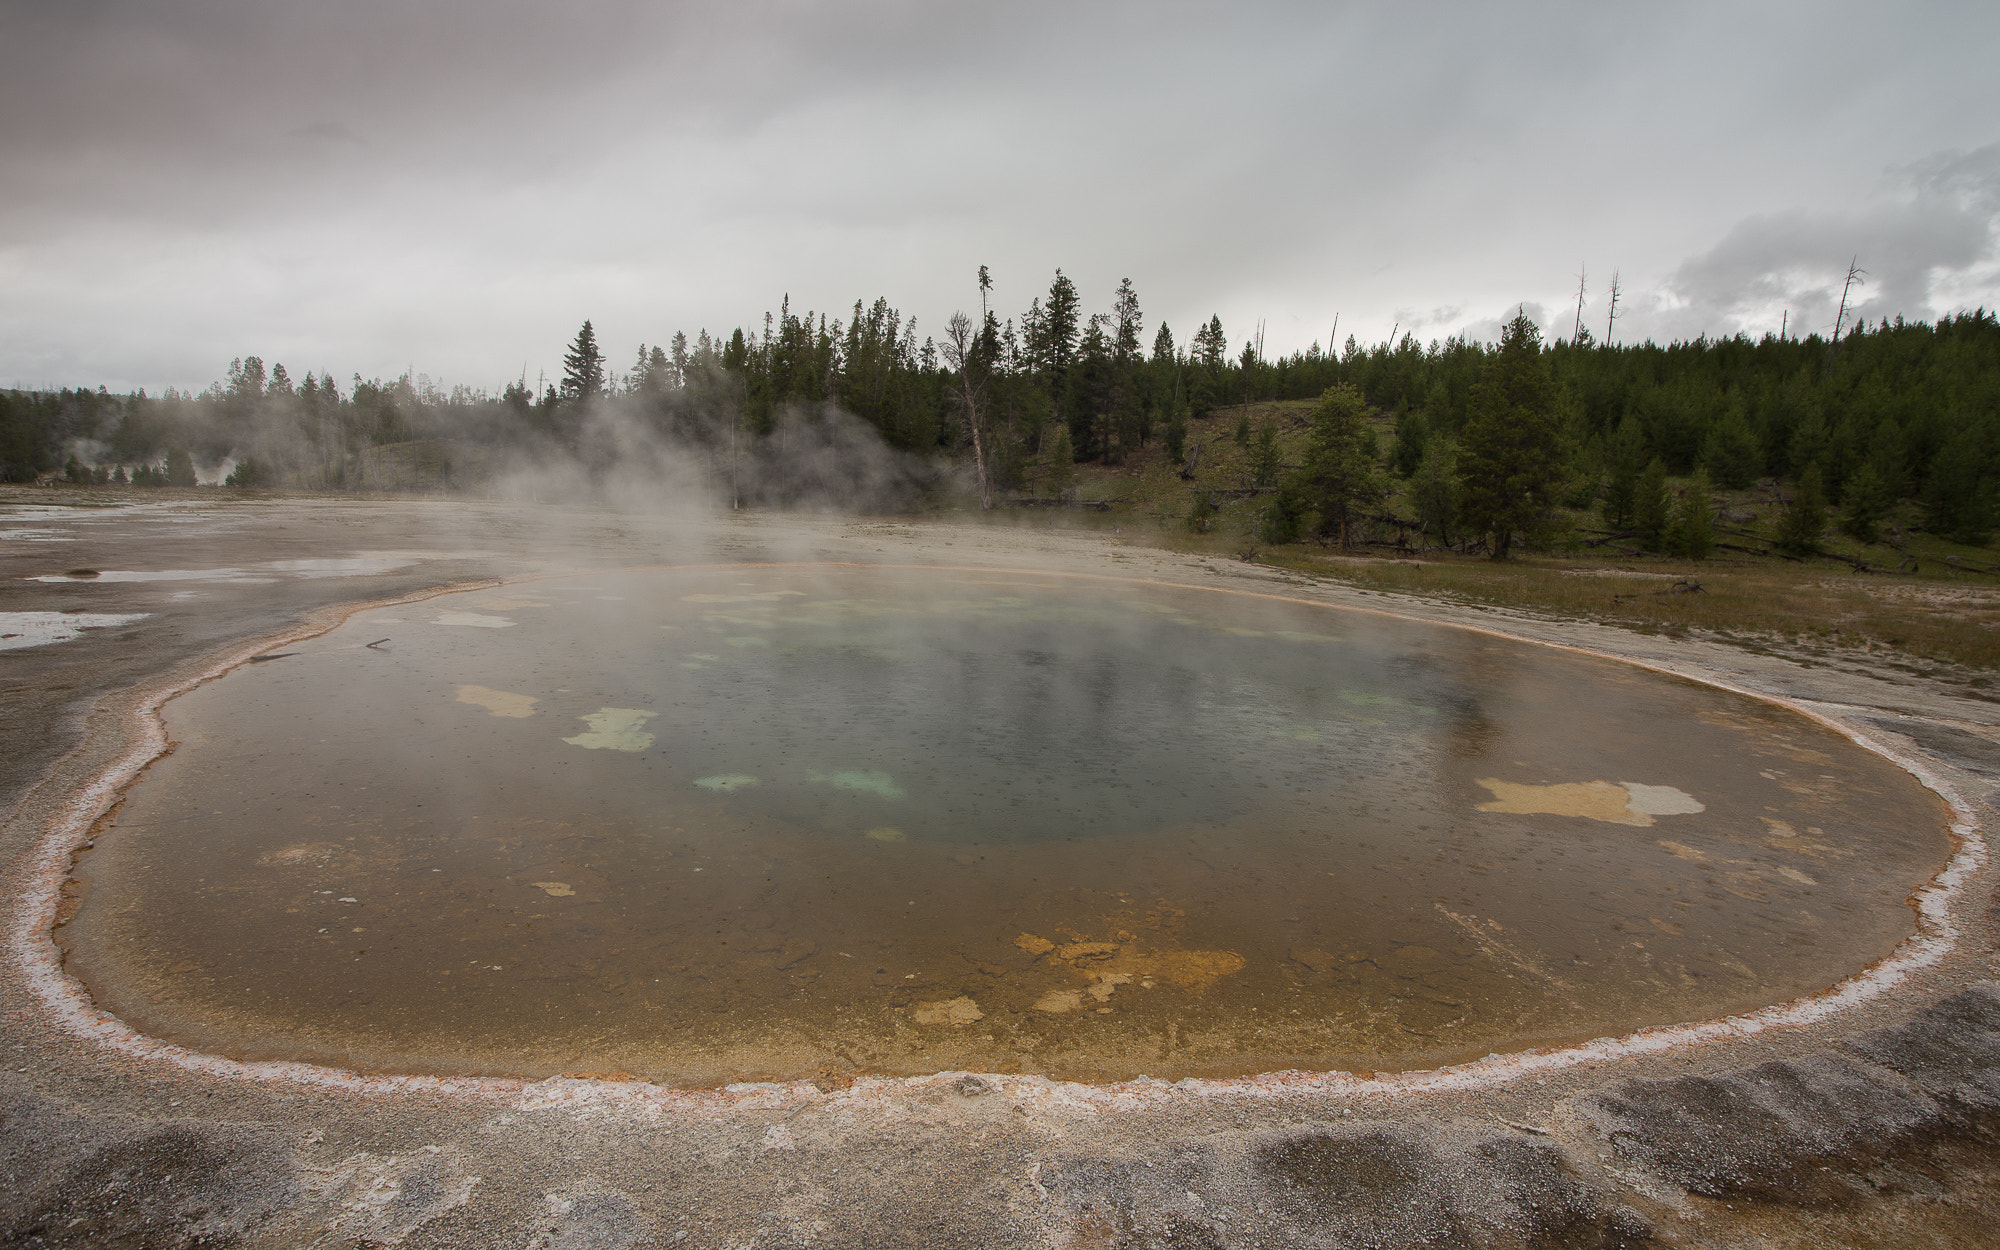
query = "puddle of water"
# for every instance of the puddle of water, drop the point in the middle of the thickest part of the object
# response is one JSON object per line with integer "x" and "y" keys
{"x": 999, "y": 823}
{"x": 238, "y": 576}
{"x": 39, "y": 629}
{"x": 259, "y": 574}
{"x": 350, "y": 566}
{"x": 477, "y": 620}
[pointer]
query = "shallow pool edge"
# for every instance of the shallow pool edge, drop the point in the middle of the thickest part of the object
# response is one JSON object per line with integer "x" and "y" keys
{"x": 30, "y": 935}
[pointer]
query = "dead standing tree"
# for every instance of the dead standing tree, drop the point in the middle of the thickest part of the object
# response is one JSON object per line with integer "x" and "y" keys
{"x": 1855, "y": 273}
{"x": 960, "y": 354}
{"x": 1576, "y": 335}
{"x": 1192, "y": 462}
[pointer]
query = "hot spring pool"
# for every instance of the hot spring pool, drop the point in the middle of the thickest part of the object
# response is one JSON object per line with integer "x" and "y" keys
{"x": 749, "y": 823}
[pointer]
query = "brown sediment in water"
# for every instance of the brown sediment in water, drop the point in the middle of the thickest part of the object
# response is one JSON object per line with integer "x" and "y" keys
{"x": 1629, "y": 803}
{"x": 1220, "y": 946}
{"x": 498, "y": 702}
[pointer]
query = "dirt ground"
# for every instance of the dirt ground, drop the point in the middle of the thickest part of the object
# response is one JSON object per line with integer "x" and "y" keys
{"x": 1870, "y": 1117}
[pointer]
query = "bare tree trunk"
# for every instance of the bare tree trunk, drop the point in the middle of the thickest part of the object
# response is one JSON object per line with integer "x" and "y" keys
{"x": 1854, "y": 274}
{"x": 979, "y": 453}
{"x": 959, "y": 354}
{"x": 1193, "y": 460}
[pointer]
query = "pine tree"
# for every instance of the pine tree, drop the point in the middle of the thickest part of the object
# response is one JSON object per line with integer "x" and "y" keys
{"x": 1694, "y": 530}
{"x": 1804, "y": 520}
{"x": 246, "y": 378}
{"x": 1339, "y": 475}
{"x": 1433, "y": 491}
{"x": 1091, "y": 392}
{"x": 1201, "y": 513}
{"x": 1954, "y": 497}
{"x": 1265, "y": 459}
{"x": 1176, "y": 437}
{"x": 1868, "y": 499}
{"x": 1651, "y": 511}
{"x": 1729, "y": 451}
{"x": 1626, "y": 458}
{"x": 1284, "y": 517}
{"x": 1412, "y": 431}
{"x": 1209, "y": 346}
{"x": 1059, "y": 321}
{"x": 1062, "y": 463}
{"x": 1130, "y": 416}
{"x": 1509, "y": 452}
{"x": 1126, "y": 324}
{"x": 1201, "y": 395}
{"x": 583, "y": 368}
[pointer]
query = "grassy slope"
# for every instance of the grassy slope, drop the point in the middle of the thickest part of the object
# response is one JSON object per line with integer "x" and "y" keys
{"x": 1940, "y": 613}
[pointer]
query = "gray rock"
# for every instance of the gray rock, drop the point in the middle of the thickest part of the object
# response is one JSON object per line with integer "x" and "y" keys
{"x": 1967, "y": 750}
{"x": 166, "y": 1185}
{"x": 594, "y": 1220}
{"x": 1950, "y": 1050}
{"x": 1800, "y": 1132}
{"x": 1370, "y": 1178}
{"x": 1395, "y": 1187}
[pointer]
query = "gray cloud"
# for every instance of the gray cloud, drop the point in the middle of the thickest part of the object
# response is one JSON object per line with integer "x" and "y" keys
{"x": 456, "y": 185}
{"x": 1929, "y": 243}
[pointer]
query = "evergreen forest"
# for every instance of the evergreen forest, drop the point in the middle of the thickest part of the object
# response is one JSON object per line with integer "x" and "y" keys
{"x": 1482, "y": 446}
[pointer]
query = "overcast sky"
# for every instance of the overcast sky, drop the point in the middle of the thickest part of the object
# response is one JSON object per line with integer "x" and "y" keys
{"x": 372, "y": 186}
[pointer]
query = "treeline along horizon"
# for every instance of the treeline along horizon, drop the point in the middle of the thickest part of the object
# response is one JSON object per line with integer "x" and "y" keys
{"x": 1908, "y": 409}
